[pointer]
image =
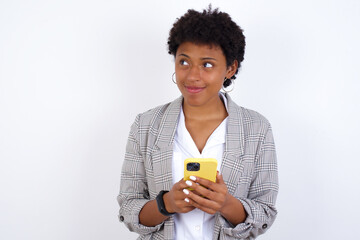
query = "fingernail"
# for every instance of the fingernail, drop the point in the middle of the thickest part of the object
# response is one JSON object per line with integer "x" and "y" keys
{"x": 186, "y": 191}
{"x": 188, "y": 183}
{"x": 186, "y": 200}
{"x": 193, "y": 178}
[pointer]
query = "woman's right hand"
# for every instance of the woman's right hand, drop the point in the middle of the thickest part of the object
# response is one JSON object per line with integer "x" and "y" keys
{"x": 175, "y": 199}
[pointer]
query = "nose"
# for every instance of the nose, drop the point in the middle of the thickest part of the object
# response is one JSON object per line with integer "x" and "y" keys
{"x": 194, "y": 74}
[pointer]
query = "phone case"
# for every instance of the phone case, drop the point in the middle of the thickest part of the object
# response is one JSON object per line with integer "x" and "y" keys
{"x": 208, "y": 168}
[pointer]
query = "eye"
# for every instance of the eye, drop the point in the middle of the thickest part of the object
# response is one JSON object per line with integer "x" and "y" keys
{"x": 208, "y": 65}
{"x": 184, "y": 63}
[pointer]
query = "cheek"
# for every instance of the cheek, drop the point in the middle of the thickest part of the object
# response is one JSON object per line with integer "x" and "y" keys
{"x": 216, "y": 80}
{"x": 220, "y": 85}
{"x": 180, "y": 75}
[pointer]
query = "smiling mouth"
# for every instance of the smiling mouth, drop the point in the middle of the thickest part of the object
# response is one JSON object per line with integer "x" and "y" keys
{"x": 194, "y": 89}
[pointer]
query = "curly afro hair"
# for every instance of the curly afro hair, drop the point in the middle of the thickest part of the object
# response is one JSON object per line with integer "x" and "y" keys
{"x": 210, "y": 27}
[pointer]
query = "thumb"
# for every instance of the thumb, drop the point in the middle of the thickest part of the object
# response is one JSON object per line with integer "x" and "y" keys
{"x": 219, "y": 178}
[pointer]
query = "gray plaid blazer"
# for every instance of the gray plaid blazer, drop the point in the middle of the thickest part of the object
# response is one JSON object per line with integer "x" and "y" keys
{"x": 248, "y": 167}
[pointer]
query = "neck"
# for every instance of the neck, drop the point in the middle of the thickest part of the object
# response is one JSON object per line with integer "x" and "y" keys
{"x": 213, "y": 109}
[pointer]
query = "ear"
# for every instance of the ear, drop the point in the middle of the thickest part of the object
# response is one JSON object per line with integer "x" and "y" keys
{"x": 231, "y": 70}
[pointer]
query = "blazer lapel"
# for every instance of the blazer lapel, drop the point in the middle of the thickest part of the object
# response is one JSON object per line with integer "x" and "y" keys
{"x": 231, "y": 166}
{"x": 163, "y": 149}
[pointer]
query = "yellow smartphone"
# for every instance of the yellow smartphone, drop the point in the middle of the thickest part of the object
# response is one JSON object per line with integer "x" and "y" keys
{"x": 200, "y": 167}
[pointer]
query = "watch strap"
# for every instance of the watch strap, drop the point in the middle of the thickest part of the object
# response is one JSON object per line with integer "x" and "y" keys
{"x": 161, "y": 204}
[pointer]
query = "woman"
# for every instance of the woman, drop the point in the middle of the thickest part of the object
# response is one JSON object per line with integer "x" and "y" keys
{"x": 154, "y": 199}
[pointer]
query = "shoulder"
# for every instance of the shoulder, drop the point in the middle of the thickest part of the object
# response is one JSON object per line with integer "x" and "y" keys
{"x": 152, "y": 121}
{"x": 249, "y": 119}
{"x": 156, "y": 124}
{"x": 251, "y": 116}
{"x": 155, "y": 115}
{"x": 248, "y": 115}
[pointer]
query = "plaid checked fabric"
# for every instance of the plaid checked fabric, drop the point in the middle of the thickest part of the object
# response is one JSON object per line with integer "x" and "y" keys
{"x": 248, "y": 167}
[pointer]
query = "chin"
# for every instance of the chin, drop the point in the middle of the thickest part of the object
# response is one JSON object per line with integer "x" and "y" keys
{"x": 193, "y": 102}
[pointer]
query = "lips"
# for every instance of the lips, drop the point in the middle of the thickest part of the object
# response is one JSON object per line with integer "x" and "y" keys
{"x": 191, "y": 89}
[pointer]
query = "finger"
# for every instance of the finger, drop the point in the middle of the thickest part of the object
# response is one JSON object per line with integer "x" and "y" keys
{"x": 207, "y": 183}
{"x": 217, "y": 193}
{"x": 187, "y": 209}
{"x": 201, "y": 200}
{"x": 180, "y": 195}
{"x": 185, "y": 202}
{"x": 219, "y": 187}
{"x": 184, "y": 206}
{"x": 195, "y": 192}
{"x": 219, "y": 178}
{"x": 191, "y": 185}
{"x": 202, "y": 191}
{"x": 205, "y": 209}
{"x": 202, "y": 207}
{"x": 180, "y": 185}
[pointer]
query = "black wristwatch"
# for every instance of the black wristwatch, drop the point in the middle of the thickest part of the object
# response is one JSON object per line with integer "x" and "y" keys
{"x": 161, "y": 205}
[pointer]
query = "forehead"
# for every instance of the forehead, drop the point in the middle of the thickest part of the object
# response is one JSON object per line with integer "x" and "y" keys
{"x": 195, "y": 49}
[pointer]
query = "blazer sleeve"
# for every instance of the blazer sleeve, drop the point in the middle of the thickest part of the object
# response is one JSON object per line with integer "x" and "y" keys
{"x": 134, "y": 192}
{"x": 260, "y": 203}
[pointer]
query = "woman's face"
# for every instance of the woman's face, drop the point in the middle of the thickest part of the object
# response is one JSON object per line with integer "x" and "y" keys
{"x": 200, "y": 72}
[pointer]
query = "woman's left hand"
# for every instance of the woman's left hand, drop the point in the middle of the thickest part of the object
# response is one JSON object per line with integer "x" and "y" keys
{"x": 208, "y": 196}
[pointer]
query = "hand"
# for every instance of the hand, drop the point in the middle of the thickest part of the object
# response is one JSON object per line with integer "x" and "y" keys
{"x": 208, "y": 196}
{"x": 175, "y": 199}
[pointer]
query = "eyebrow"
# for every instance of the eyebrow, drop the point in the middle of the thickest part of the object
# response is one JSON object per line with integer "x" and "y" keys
{"x": 205, "y": 58}
{"x": 209, "y": 58}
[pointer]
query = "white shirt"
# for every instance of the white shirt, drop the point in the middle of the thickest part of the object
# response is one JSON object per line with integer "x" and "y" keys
{"x": 195, "y": 224}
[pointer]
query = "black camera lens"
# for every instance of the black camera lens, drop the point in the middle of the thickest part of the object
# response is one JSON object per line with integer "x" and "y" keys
{"x": 193, "y": 166}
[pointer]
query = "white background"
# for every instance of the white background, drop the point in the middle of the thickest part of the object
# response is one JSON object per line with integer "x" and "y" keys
{"x": 74, "y": 74}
